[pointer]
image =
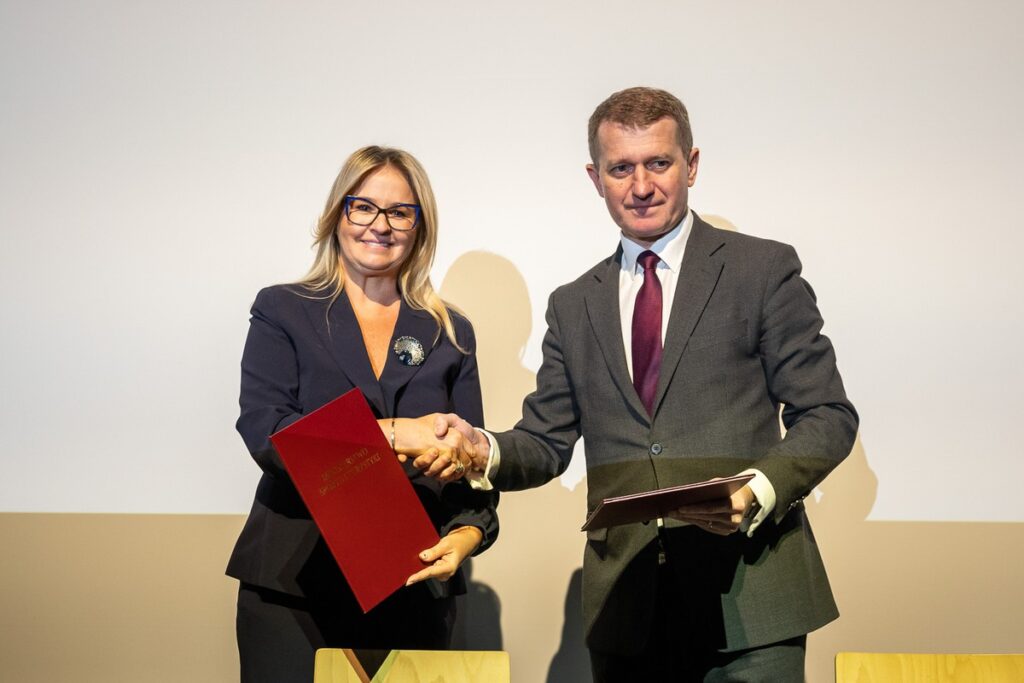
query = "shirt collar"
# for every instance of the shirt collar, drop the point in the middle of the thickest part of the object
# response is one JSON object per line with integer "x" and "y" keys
{"x": 669, "y": 247}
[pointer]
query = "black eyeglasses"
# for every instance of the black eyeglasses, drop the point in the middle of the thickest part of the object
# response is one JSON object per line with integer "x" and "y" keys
{"x": 400, "y": 217}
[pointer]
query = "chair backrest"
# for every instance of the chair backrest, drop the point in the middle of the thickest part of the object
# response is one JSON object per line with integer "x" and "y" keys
{"x": 335, "y": 665}
{"x": 891, "y": 667}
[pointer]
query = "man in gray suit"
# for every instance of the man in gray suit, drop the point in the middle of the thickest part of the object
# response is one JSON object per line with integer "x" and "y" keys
{"x": 672, "y": 358}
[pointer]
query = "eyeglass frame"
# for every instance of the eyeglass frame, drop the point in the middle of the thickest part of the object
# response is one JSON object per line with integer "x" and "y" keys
{"x": 349, "y": 198}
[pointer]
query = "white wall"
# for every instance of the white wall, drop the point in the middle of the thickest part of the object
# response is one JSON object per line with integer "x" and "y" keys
{"x": 161, "y": 162}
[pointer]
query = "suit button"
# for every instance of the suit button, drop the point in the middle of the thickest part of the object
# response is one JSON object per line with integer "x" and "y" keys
{"x": 656, "y": 448}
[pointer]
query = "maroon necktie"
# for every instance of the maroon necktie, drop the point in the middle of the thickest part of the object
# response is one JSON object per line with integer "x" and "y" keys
{"x": 647, "y": 332}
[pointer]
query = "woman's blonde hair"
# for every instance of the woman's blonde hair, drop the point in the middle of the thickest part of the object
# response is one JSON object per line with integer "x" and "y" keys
{"x": 327, "y": 274}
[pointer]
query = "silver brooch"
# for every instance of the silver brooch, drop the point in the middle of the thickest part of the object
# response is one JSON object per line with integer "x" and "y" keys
{"x": 409, "y": 350}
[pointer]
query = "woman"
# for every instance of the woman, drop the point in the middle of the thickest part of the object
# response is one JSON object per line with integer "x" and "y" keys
{"x": 365, "y": 316}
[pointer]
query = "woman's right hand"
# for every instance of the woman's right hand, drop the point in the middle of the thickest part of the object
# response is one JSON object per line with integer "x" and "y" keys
{"x": 450, "y": 456}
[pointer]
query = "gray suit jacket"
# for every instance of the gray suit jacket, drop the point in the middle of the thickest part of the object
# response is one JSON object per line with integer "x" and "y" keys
{"x": 743, "y": 337}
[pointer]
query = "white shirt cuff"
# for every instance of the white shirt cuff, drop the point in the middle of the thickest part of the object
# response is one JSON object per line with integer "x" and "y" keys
{"x": 481, "y": 481}
{"x": 764, "y": 492}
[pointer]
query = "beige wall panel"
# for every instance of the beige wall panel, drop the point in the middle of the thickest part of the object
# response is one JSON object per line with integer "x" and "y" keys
{"x": 143, "y": 598}
{"x": 110, "y": 598}
{"x": 950, "y": 587}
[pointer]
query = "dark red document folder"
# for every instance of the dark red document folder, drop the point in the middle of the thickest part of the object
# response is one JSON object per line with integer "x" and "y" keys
{"x": 643, "y": 507}
{"x": 359, "y": 496}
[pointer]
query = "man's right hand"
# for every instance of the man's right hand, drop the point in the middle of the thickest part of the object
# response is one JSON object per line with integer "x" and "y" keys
{"x": 445, "y": 424}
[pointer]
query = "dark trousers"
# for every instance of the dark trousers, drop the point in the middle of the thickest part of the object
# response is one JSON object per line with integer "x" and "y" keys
{"x": 687, "y": 632}
{"x": 670, "y": 662}
{"x": 278, "y": 634}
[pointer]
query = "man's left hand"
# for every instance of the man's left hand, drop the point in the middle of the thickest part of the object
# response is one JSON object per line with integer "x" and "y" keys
{"x": 723, "y": 516}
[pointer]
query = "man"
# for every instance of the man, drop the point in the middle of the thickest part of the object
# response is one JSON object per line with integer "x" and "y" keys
{"x": 671, "y": 359}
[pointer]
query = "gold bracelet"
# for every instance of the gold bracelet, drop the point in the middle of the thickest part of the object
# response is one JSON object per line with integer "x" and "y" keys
{"x": 392, "y": 433}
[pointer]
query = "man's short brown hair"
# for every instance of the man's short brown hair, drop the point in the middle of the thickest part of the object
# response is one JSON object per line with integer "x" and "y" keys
{"x": 639, "y": 108}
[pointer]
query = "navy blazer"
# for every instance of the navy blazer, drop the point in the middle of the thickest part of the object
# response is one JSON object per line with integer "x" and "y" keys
{"x": 301, "y": 352}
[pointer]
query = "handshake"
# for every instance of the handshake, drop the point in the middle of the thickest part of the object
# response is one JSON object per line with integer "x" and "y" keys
{"x": 443, "y": 446}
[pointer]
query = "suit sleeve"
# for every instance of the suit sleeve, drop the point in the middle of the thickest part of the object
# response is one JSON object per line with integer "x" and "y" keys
{"x": 539, "y": 448}
{"x": 269, "y": 397}
{"x": 470, "y": 507}
{"x": 800, "y": 370}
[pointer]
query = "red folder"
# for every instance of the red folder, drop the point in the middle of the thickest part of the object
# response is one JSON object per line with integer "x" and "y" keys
{"x": 359, "y": 496}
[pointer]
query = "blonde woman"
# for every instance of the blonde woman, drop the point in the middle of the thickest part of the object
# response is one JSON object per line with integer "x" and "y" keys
{"x": 365, "y": 316}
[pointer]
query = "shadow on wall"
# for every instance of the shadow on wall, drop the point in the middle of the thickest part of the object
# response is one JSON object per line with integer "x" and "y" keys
{"x": 571, "y": 663}
{"x": 480, "y": 285}
{"x": 492, "y": 293}
{"x": 540, "y": 547}
{"x": 719, "y": 222}
{"x": 478, "y": 625}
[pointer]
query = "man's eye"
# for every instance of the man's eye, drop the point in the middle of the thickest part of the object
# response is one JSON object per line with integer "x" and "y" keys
{"x": 659, "y": 164}
{"x": 621, "y": 170}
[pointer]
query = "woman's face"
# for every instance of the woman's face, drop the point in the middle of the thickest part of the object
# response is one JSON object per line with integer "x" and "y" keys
{"x": 377, "y": 250}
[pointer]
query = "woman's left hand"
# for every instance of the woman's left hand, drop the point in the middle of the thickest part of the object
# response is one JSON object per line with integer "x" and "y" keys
{"x": 445, "y": 557}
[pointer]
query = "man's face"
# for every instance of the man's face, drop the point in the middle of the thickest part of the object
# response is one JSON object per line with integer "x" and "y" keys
{"x": 643, "y": 175}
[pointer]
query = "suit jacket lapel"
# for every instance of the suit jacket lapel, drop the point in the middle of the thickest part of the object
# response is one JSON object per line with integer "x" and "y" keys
{"x": 603, "y": 311}
{"x": 698, "y": 275}
{"x": 339, "y": 332}
{"x": 421, "y": 327}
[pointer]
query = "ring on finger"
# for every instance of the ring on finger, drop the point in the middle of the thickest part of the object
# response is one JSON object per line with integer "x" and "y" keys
{"x": 459, "y": 467}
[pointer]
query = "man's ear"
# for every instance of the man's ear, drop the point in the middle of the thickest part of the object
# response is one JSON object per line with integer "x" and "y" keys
{"x": 691, "y": 173}
{"x": 595, "y": 178}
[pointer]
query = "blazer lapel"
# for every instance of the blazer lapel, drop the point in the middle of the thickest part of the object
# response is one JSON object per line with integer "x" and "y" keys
{"x": 339, "y": 332}
{"x": 603, "y": 311}
{"x": 411, "y": 323}
{"x": 698, "y": 276}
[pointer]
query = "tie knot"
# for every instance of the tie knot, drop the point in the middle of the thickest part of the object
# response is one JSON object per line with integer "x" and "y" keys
{"x": 648, "y": 260}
